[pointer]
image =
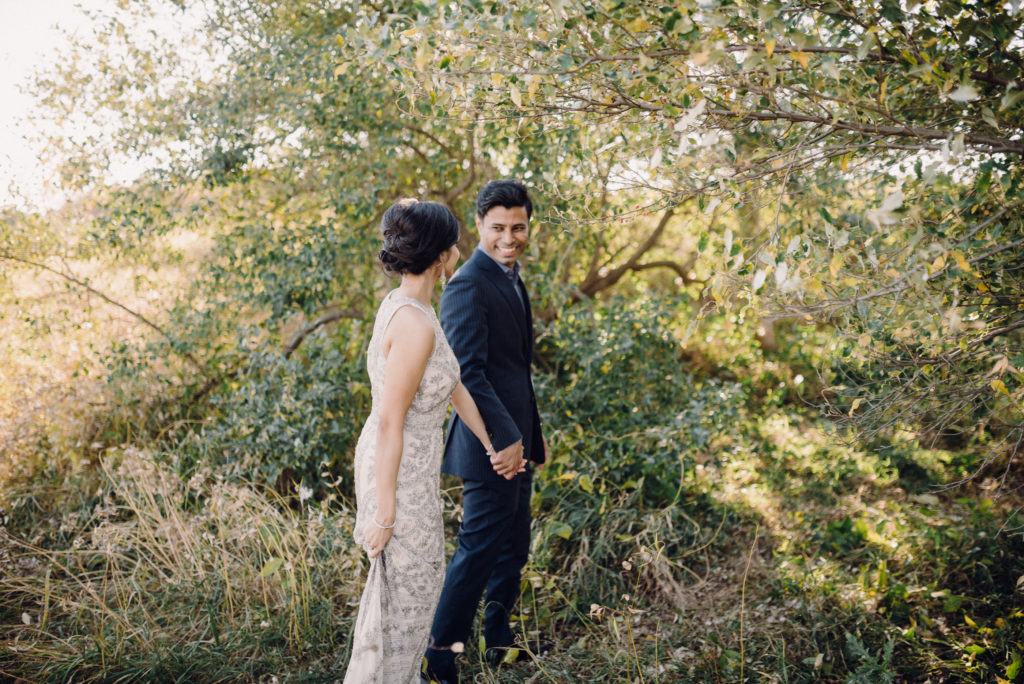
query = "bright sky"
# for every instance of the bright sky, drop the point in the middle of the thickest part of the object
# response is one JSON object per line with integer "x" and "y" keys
{"x": 29, "y": 37}
{"x": 31, "y": 34}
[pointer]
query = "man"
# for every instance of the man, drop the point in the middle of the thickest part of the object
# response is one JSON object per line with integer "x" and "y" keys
{"x": 486, "y": 316}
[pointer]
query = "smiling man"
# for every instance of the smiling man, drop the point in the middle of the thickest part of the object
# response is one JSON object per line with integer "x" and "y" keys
{"x": 485, "y": 312}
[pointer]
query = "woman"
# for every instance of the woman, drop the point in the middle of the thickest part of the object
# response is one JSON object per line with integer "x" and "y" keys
{"x": 413, "y": 376}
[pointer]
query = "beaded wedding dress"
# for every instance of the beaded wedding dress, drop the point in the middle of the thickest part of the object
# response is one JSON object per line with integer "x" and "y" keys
{"x": 404, "y": 581}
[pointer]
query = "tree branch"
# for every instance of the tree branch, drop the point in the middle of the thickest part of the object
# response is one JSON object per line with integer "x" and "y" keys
{"x": 300, "y": 336}
{"x": 683, "y": 270}
{"x": 594, "y": 286}
{"x": 996, "y": 144}
{"x": 433, "y": 138}
{"x": 89, "y": 288}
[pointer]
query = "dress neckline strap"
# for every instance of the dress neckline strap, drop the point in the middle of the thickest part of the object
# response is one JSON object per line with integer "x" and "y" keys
{"x": 393, "y": 298}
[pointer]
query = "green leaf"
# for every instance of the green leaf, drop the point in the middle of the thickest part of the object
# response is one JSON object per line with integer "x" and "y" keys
{"x": 952, "y": 603}
{"x": 1010, "y": 99}
{"x": 815, "y": 662}
{"x": 1013, "y": 669}
{"x": 865, "y": 46}
{"x": 271, "y": 566}
{"x": 964, "y": 93}
{"x": 560, "y": 530}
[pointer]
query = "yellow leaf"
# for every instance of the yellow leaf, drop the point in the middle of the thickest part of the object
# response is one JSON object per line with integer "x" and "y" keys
{"x": 700, "y": 58}
{"x": 516, "y": 96}
{"x": 339, "y": 70}
{"x": 409, "y": 33}
{"x": 939, "y": 262}
{"x": 421, "y": 57}
{"x": 496, "y": 80}
{"x": 999, "y": 386}
{"x": 844, "y": 162}
{"x": 961, "y": 261}
{"x": 531, "y": 86}
{"x": 639, "y": 24}
{"x": 864, "y": 340}
{"x": 892, "y": 273}
{"x": 983, "y": 287}
{"x": 856, "y": 402}
{"x": 769, "y": 47}
{"x": 835, "y": 264}
{"x": 802, "y": 57}
{"x": 969, "y": 621}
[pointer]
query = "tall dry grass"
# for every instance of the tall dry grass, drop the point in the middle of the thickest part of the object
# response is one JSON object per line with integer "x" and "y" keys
{"x": 203, "y": 568}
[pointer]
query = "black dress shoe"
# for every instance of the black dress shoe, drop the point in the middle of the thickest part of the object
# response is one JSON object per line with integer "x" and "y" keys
{"x": 517, "y": 652}
{"x": 424, "y": 679}
{"x": 430, "y": 678}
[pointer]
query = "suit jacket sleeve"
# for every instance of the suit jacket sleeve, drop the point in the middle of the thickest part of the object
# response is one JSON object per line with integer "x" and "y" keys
{"x": 464, "y": 319}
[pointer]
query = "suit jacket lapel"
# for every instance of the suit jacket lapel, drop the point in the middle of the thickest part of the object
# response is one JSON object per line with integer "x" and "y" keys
{"x": 493, "y": 272}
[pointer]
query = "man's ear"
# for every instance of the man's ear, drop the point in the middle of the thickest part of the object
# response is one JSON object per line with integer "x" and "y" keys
{"x": 479, "y": 224}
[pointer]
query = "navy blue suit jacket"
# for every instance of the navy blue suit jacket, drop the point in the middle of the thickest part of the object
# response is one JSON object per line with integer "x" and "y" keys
{"x": 492, "y": 337}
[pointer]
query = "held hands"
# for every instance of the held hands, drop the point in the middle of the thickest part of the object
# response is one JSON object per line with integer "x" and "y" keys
{"x": 509, "y": 461}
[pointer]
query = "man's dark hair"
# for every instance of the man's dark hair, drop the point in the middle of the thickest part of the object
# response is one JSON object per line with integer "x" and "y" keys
{"x": 503, "y": 193}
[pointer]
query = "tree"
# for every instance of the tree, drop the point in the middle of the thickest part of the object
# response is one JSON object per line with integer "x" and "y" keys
{"x": 870, "y": 152}
{"x": 280, "y": 156}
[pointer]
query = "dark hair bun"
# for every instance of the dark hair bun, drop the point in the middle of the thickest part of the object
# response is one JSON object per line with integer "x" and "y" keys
{"x": 415, "y": 235}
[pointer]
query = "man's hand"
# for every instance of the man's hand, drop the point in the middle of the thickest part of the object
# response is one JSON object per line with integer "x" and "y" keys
{"x": 509, "y": 460}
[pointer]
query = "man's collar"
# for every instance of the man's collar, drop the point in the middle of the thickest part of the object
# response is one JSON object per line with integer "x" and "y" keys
{"x": 509, "y": 272}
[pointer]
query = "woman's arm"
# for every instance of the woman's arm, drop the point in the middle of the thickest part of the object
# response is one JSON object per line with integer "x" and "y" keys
{"x": 463, "y": 402}
{"x": 468, "y": 412}
{"x": 407, "y": 344}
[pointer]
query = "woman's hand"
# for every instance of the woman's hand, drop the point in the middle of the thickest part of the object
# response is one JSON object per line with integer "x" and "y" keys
{"x": 377, "y": 537}
{"x": 509, "y": 461}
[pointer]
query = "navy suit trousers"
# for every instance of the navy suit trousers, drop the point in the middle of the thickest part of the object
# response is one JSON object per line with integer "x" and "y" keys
{"x": 493, "y": 547}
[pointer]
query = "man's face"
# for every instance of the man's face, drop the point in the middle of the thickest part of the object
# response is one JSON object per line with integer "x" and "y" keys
{"x": 504, "y": 233}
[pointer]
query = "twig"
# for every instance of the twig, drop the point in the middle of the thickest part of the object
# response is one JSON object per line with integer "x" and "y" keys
{"x": 318, "y": 323}
{"x": 743, "y": 594}
{"x": 89, "y": 288}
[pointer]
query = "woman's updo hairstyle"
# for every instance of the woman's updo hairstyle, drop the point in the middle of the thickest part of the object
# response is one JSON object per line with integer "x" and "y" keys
{"x": 415, "y": 235}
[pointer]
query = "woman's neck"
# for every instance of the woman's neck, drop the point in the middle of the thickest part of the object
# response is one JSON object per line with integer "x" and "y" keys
{"x": 418, "y": 286}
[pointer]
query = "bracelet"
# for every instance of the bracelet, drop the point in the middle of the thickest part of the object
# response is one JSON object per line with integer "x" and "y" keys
{"x": 383, "y": 527}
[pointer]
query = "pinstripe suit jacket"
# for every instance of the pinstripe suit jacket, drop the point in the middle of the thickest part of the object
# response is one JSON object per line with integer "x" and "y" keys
{"x": 492, "y": 337}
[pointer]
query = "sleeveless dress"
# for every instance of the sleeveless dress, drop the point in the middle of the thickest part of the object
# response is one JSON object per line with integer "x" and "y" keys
{"x": 404, "y": 582}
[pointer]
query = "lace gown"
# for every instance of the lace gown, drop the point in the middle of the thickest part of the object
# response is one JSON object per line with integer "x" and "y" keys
{"x": 404, "y": 581}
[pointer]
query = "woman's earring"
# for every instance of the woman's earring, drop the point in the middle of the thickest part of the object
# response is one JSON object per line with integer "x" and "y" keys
{"x": 441, "y": 276}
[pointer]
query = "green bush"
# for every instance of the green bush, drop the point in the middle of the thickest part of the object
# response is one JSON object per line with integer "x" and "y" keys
{"x": 287, "y": 421}
{"x": 621, "y": 400}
